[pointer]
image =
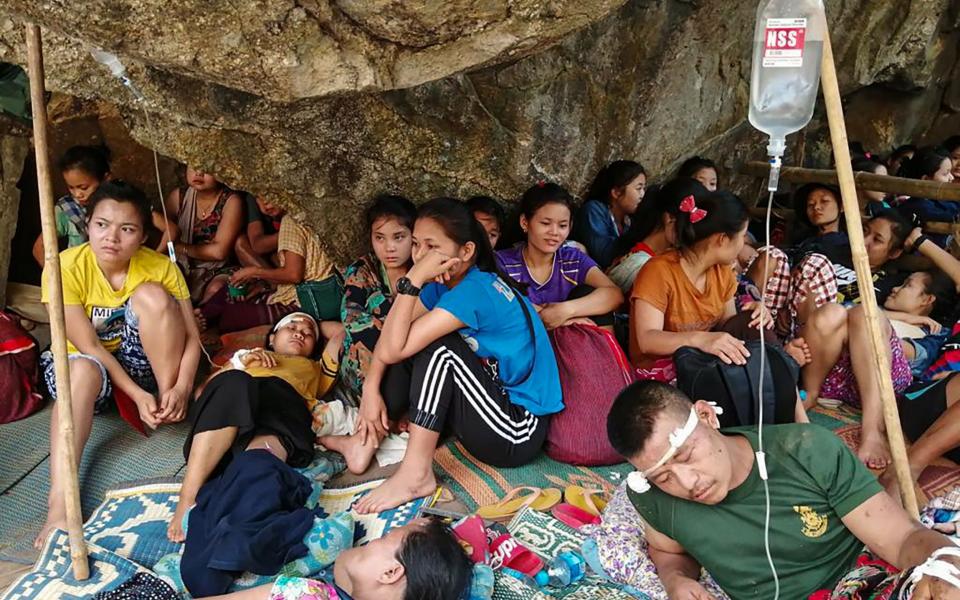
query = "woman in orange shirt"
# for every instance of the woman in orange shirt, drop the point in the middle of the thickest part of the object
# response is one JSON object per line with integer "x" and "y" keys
{"x": 682, "y": 296}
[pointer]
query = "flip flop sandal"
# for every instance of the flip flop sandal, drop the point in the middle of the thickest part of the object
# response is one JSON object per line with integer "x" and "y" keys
{"x": 472, "y": 535}
{"x": 506, "y": 551}
{"x": 569, "y": 514}
{"x": 516, "y": 500}
{"x": 591, "y": 500}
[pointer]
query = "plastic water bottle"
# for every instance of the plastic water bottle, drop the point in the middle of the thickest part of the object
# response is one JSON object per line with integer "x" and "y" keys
{"x": 787, "y": 48}
{"x": 567, "y": 568}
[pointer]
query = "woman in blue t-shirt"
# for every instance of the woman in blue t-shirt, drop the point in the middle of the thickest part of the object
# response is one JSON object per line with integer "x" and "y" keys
{"x": 467, "y": 356}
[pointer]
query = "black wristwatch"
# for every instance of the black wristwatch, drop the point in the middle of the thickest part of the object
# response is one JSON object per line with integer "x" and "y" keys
{"x": 406, "y": 287}
{"x": 919, "y": 242}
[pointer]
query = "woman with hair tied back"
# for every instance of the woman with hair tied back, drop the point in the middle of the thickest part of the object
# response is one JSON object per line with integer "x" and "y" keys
{"x": 613, "y": 197}
{"x": 682, "y": 297}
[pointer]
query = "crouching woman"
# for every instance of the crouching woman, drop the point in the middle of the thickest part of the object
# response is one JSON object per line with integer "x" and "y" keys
{"x": 130, "y": 326}
{"x": 467, "y": 357}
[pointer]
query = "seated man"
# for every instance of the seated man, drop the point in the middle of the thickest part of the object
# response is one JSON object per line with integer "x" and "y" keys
{"x": 422, "y": 560}
{"x": 701, "y": 494}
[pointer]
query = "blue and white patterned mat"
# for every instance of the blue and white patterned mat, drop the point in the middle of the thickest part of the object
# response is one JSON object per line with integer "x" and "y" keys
{"x": 128, "y": 533}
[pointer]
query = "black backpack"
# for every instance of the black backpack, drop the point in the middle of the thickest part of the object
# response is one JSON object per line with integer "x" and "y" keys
{"x": 734, "y": 388}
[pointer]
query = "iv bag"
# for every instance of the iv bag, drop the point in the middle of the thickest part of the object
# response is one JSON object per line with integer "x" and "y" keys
{"x": 787, "y": 48}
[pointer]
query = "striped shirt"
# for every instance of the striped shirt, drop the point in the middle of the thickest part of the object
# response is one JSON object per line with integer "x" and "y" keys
{"x": 570, "y": 268}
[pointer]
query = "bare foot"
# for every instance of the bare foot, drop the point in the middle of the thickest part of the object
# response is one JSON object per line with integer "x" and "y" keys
{"x": 888, "y": 479}
{"x": 56, "y": 519}
{"x": 798, "y": 349}
{"x": 405, "y": 485}
{"x": 201, "y": 320}
{"x": 352, "y": 448}
{"x": 175, "y": 529}
{"x": 874, "y": 451}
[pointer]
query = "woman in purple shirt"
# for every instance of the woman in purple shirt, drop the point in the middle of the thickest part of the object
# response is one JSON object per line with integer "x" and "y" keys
{"x": 551, "y": 270}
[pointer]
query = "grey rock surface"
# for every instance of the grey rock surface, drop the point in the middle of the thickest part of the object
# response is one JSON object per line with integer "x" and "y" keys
{"x": 653, "y": 80}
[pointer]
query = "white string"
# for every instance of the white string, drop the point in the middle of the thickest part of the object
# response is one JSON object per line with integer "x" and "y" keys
{"x": 761, "y": 457}
{"x": 163, "y": 205}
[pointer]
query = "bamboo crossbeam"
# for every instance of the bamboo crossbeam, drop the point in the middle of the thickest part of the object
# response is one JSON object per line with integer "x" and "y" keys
{"x": 934, "y": 190}
{"x": 944, "y": 227}
{"x": 851, "y": 211}
{"x": 67, "y": 466}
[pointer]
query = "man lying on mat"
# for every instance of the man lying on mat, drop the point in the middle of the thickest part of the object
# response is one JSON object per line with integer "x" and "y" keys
{"x": 422, "y": 560}
{"x": 701, "y": 494}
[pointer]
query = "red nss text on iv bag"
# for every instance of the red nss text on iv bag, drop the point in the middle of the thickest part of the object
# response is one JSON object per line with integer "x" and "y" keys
{"x": 785, "y": 80}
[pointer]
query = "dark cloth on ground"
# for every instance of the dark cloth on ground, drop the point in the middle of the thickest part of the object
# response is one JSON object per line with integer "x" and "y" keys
{"x": 922, "y": 404}
{"x": 814, "y": 481}
{"x": 142, "y": 586}
{"x": 250, "y": 518}
{"x": 255, "y": 406}
{"x": 229, "y": 316}
{"x": 447, "y": 388}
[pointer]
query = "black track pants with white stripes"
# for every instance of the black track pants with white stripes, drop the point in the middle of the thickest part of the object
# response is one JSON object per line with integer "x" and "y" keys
{"x": 447, "y": 388}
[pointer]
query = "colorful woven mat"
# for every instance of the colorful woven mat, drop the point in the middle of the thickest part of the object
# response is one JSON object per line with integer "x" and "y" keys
{"x": 479, "y": 484}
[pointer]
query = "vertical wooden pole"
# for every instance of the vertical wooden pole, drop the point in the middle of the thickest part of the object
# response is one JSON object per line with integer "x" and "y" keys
{"x": 67, "y": 467}
{"x": 851, "y": 211}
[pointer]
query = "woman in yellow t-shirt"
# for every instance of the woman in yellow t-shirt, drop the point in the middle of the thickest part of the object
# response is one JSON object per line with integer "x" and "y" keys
{"x": 129, "y": 322}
{"x": 262, "y": 399}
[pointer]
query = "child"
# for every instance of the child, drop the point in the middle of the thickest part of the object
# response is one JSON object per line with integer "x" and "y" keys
{"x": 263, "y": 393}
{"x": 613, "y": 197}
{"x": 700, "y": 169}
{"x": 552, "y": 271}
{"x": 129, "y": 326}
{"x": 83, "y": 169}
{"x": 466, "y": 357}
{"x": 370, "y": 284}
{"x": 422, "y": 560}
{"x": 301, "y": 259}
{"x": 490, "y": 214}
{"x": 257, "y": 246}
{"x": 209, "y": 216}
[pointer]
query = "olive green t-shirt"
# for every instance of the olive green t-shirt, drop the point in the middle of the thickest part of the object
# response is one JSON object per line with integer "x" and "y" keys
{"x": 814, "y": 480}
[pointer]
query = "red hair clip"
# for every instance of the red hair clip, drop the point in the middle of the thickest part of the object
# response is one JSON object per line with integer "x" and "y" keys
{"x": 541, "y": 183}
{"x": 689, "y": 205}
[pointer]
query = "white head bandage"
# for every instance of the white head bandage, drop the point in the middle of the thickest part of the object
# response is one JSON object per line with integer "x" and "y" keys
{"x": 638, "y": 479}
{"x": 297, "y": 316}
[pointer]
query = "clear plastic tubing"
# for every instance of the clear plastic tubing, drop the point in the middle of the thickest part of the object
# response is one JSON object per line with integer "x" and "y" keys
{"x": 787, "y": 48}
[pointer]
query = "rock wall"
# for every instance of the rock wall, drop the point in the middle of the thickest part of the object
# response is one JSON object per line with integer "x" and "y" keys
{"x": 654, "y": 80}
{"x": 14, "y": 146}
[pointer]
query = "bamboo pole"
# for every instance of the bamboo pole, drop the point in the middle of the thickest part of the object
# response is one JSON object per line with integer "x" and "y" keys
{"x": 851, "y": 211}
{"x": 67, "y": 466}
{"x": 943, "y": 227}
{"x": 935, "y": 190}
